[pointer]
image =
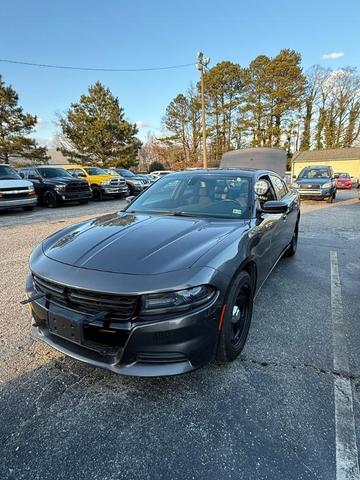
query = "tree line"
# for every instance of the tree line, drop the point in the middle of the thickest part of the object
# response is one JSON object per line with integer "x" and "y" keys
{"x": 271, "y": 102}
{"x": 93, "y": 131}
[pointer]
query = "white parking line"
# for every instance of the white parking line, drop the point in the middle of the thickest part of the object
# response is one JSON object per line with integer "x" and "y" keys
{"x": 347, "y": 463}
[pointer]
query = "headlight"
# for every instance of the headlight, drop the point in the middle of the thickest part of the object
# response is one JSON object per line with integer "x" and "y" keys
{"x": 169, "y": 302}
{"x": 31, "y": 191}
{"x": 60, "y": 188}
{"x": 294, "y": 185}
{"x": 326, "y": 185}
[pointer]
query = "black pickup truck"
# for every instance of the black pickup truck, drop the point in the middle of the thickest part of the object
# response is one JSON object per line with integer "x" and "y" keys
{"x": 54, "y": 185}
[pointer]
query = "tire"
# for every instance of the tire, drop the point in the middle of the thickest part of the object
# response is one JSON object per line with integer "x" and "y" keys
{"x": 28, "y": 208}
{"x": 50, "y": 199}
{"x": 97, "y": 194}
{"x": 330, "y": 199}
{"x": 291, "y": 250}
{"x": 237, "y": 319}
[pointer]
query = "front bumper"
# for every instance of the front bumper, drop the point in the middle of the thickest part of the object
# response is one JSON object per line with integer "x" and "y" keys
{"x": 316, "y": 194}
{"x": 19, "y": 202}
{"x": 146, "y": 346}
{"x": 111, "y": 191}
{"x": 75, "y": 196}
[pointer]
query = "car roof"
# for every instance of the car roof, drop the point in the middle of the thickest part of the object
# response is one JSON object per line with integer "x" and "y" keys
{"x": 221, "y": 171}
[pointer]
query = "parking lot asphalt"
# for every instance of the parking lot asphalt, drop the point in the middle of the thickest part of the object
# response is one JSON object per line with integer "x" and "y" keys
{"x": 287, "y": 409}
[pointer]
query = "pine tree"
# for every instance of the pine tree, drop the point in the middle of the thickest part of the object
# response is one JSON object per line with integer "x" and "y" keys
{"x": 15, "y": 126}
{"x": 94, "y": 131}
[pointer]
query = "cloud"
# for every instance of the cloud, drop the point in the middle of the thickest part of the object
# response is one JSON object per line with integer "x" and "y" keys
{"x": 44, "y": 141}
{"x": 141, "y": 124}
{"x": 333, "y": 55}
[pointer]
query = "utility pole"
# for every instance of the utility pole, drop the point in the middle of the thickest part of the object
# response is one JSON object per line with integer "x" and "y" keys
{"x": 201, "y": 65}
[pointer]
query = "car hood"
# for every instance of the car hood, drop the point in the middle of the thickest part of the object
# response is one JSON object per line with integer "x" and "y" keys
{"x": 64, "y": 181}
{"x": 313, "y": 181}
{"x": 138, "y": 243}
{"x": 15, "y": 184}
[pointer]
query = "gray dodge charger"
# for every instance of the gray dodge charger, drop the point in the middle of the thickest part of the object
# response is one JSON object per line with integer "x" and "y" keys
{"x": 167, "y": 284}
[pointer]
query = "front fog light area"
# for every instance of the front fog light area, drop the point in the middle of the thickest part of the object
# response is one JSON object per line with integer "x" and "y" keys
{"x": 181, "y": 300}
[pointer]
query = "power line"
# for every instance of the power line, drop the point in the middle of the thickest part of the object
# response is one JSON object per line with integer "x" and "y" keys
{"x": 67, "y": 67}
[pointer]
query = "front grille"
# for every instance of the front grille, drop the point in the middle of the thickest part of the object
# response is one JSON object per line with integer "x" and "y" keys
{"x": 14, "y": 196}
{"x": 11, "y": 193}
{"x": 120, "y": 307}
{"x": 77, "y": 187}
{"x": 309, "y": 187}
{"x": 13, "y": 189}
{"x": 115, "y": 182}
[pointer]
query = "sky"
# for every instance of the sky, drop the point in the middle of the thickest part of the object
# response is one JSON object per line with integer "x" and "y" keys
{"x": 157, "y": 33}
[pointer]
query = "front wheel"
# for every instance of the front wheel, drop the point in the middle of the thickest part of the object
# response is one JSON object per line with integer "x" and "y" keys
{"x": 97, "y": 194}
{"x": 51, "y": 199}
{"x": 291, "y": 250}
{"x": 237, "y": 319}
{"x": 330, "y": 199}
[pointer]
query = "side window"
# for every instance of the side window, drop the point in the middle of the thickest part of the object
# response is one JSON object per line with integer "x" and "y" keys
{"x": 33, "y": 174}
{"x": 76, "y": 172}
{"x": 279, "y": 187}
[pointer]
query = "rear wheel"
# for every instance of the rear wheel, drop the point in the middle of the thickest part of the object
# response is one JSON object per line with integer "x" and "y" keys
{"x": 97, "y": 194}
{"x": 50, "y": 199}
{"x": 291, "y": 250}
{"x": 28, "y": 208}
{"x": 237, "y": 319}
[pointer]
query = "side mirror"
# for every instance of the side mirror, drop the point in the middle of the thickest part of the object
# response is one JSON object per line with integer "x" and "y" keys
{"x": 274, "y": 206}
{"x": 336, "y": 176}
{"x": 130, "y": 198}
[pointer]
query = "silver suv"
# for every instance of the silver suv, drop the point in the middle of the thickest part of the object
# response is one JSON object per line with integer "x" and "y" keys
{"x": 14, "y": 191}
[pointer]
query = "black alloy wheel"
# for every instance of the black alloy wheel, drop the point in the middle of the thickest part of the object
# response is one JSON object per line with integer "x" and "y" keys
{"x": 50, "y": 199}
{"x": 97, "y": 194}
{"x": 291, "y": 250}
{"x": 237, "y": 319}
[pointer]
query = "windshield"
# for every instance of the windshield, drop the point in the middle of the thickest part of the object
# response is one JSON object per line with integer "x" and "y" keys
{"x": 343, "y": 175}
{"x": 197, "y": 195}
{"x": 53, "y": 172}
{"x": 309, "y": 172}
{"x": 95, "y": 171}
{"x": 125, "y": 173}
{"x": 8, "y": 173}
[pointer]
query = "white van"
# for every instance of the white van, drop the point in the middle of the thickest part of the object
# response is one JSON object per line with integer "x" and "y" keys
{"x": 14, "y": 191}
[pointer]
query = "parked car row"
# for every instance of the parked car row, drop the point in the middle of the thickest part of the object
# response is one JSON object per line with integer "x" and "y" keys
{"x": 52, "y": 186}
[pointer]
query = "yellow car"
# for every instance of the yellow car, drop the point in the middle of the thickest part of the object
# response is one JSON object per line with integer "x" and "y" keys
{"x": 102, "y": 183}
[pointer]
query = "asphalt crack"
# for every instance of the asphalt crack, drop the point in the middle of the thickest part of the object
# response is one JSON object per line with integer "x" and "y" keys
{"x": 315, "y": 368}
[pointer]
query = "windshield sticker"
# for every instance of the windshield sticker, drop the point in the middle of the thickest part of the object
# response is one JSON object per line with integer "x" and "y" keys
{"x": 237, "y": 211}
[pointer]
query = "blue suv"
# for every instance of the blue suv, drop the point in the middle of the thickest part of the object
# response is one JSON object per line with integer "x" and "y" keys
{"x": 316, "y": 182}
